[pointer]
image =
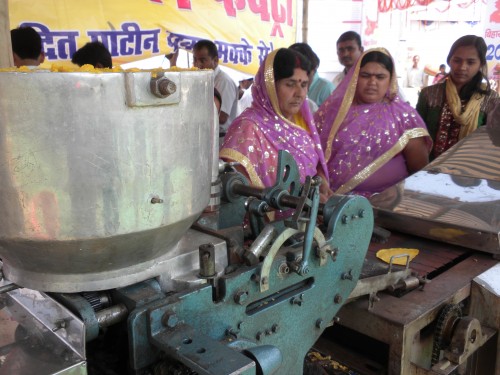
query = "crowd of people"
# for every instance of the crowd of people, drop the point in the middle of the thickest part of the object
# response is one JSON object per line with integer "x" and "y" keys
{"x": 359, "y": 132}
{"x": 370, "y": 137}
{"x": 27, "y": 50}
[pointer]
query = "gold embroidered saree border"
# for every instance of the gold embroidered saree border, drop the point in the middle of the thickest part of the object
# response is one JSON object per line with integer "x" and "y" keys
{"x": 245, "y": 162}
{"x": 375, "y": 165}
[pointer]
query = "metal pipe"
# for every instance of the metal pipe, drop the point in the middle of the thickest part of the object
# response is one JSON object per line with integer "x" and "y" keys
{"x": 305, "y": 20}
{"x": 248, "y": 191}
{"x": 261, "y": 242}
{"x": 207, "y": 260}
{"x": 8, "y": 288}
{"x": 111, "y": 315}
{"x": 6, "y": 59}
{"x": 285, "y": 200}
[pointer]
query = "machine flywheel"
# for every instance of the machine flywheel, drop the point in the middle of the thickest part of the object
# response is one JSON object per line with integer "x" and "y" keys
{"x": 446, "y": 322}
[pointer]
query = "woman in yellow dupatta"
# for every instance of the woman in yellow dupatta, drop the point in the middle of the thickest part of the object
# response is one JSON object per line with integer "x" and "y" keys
{"x": 455, "y": 107}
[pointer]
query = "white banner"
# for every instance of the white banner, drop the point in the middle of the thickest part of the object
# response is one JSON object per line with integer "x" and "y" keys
{"x": 492, "y": 38}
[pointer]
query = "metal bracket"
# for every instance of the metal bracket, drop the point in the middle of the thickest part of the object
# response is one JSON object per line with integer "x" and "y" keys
{"x": 201, "y": 353}
{"x": 276, "y": 246}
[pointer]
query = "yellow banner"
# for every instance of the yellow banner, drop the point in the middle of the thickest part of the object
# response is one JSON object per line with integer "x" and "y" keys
{"x": 245, "y": 31}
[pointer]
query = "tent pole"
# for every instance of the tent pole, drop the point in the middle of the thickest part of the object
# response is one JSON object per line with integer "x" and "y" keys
{"x": 6, "y": 59}
{"x": 305, "y": 20}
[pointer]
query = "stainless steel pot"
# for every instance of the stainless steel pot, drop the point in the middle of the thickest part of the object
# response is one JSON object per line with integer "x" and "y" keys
{"x": 100, "y": 174}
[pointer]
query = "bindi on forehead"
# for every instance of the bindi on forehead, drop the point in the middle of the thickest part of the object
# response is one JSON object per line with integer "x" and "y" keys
{"x": 297, "y": 80}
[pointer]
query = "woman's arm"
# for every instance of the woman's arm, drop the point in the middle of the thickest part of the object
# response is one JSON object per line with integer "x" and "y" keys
{"x": 421, "y": 106}
{"x": 324, "y": 189}
{"x": 416, "y": 154}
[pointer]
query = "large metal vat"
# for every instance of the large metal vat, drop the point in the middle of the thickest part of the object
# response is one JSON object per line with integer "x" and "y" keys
{"x": 99, "y": 177}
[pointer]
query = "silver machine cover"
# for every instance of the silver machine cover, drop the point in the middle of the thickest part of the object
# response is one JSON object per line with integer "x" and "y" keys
{"x": 455, "y": 199}
{"x": 99, "y": 177}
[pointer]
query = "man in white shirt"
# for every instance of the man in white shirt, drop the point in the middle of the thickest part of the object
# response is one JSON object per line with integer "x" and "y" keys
{"x": 205, "y": 56}
{"x": 245, "y": 94}
{"x": 414, "y": 81}
{"x": 349, "y": 49}
{"x": 415, "y": 75}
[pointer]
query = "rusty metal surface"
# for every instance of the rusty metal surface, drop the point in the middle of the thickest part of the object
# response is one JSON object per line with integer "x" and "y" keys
{"x": 409, "y": 307}
{"x": 485, "y": 305}
{"x": 433, "y": 256}
{"x": 399, "y": 322}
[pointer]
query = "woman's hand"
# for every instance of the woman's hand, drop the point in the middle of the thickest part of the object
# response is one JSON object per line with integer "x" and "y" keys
{"x": 324, "y": 188}
{"x": 324, "y": 192}
{"x": 416, "y": 154}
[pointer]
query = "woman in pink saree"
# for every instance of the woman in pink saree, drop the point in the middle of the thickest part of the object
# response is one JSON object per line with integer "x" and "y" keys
{"x": 278, "y": 119}
{"x": 372, "y": 139}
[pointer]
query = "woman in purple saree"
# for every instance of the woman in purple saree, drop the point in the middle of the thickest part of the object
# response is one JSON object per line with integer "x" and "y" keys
{"x": 278, "y": 119}
{"x": 372, "y": 139}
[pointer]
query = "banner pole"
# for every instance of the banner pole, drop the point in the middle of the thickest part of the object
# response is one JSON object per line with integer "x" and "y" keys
{"x": 6, "y": 59}
{"x": 305, "y": 20}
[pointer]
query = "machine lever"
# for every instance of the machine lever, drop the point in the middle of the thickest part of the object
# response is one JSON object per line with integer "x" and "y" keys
{"x": 310, "y": 228}
{"x": 8, "y": 288}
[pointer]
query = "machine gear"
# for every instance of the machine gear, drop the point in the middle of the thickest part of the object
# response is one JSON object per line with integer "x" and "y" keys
{"x": 448, "y": 318}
